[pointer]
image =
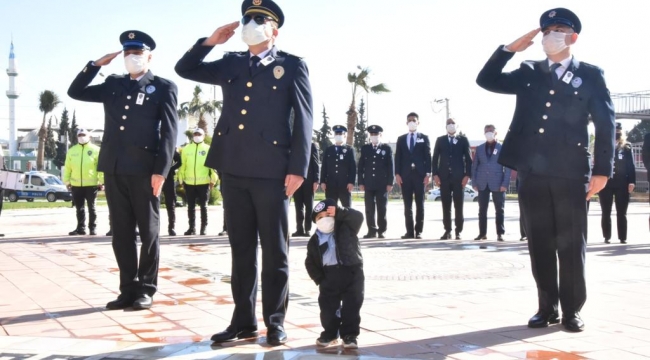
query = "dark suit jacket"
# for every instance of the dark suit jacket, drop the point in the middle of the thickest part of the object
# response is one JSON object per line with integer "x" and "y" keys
{"x": 253, "y": 137}
{"x": 140, "y": 122}
{"x": 339, "y": 169}
{"x": 624, "y": 170}
{"x": 313, "y": 174}
{"x": 376, "y": 167}
{"x": 421, "y": 156}
{"x": 548, "y": 134}
{"x": 452, "y": 162}
{"x": 176, "y": 164}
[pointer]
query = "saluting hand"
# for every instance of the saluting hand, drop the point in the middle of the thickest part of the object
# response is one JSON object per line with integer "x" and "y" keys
{"x": 596, "y": 184}
{"x": 106, "y": 59}
{"x": 523, "y": 42}
{"x": 222, "y": 34}
{"x": 292, "y": 183}
{"x": 157, "y": 182}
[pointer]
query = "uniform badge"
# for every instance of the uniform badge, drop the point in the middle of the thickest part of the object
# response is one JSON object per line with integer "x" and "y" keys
{"x": 567, "y": 77}
{"x": 383, "y": 152}
{"x": 576, "y": 82}
{"x": 150, "y": 89}
{"x": 267, "y": 60}
{"x": 552, "y": 14}
{"x": 378, "y": 151}
{"x": 90, "y": 152}
{"x": 202, "y": 153}
{"x": 257, "y": 2}
{"x": 140, "y": 99}
{"x": 278, "y": 72}
{"x": 319, "y": 207}
{"x": 131, "y": 36}
{"x": 345, "y": 150}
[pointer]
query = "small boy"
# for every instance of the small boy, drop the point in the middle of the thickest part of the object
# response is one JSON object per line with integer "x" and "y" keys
{"x": 335, "y": 264}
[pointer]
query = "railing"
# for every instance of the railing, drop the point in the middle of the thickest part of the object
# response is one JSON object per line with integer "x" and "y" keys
{"x": 633, "y": 105}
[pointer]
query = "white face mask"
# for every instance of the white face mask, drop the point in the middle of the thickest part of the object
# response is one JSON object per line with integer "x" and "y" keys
{"x": 199, "y": 139}
{"x": 83, "y": 140}
{"x": 413, "y": 126}
{"x": 554, "y": 42}
{"x": 451, "y": 128}
{"x": 135, "y": 64}
{"x": 325, "y": 225}
{"x": 374, "y": 139}
{"x": 253, "y": 34}
{"x": 338, "y": 139}
{"x": 489, "y": 136}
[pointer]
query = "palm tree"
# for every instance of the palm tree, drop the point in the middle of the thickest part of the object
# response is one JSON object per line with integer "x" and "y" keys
{"x": 199, "y": 108}
{"x": 360, "y": 81}
{"x": 48, "y": 101}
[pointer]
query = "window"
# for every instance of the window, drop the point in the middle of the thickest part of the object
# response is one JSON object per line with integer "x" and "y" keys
{"x": 16, "y": 165}
{"x": 37, "y": 181}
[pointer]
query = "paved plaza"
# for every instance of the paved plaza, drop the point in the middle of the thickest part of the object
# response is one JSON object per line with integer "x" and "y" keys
{"x": 425, "y": 299}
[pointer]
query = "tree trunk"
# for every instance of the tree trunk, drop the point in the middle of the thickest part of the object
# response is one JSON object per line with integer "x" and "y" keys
{"x": 40, "y": 155}
{"x": 352, "y": 122}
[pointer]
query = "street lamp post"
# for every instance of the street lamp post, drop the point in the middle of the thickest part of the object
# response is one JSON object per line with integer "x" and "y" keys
{"x": 440, "y": 101}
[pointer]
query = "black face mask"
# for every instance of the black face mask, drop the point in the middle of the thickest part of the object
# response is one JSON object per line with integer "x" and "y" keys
{"x": 618, "y": 136}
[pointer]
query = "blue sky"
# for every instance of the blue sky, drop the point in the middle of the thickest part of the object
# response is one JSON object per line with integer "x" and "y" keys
{"x": 422, "y": 49}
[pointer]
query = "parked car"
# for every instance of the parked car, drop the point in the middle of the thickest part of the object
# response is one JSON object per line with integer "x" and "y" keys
{"x": 33, "y": 185}
{"x": 470, "y": 194}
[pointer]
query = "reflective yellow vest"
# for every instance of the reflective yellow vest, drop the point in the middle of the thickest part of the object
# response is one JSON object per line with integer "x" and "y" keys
{"x": 81, "y": 166}
{"x": 193, "y": 170}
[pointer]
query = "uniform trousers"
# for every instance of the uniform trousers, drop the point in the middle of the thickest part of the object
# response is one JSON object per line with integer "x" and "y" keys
{"x": 555, "y": 218}
{"x": 340, "y": 298}
{"x": 169, "y": 190}
{"x": 621, "y": 196}
{"x": 413, "y": 185}
{"x": 339, "y": 194}
{"x": 131, "y": 202}
{"x": 257, "y": 207}
{"x": 376, "y": 199}
{"x": 82, "y": 195}
{"x": 303, "y": 200}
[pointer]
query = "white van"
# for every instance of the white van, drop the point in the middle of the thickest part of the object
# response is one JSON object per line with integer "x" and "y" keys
{"x": 33, "y": 185}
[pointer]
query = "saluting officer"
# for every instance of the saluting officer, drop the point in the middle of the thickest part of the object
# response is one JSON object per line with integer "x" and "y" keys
{"x": 261, "y": 158}
{"x": 304, "y": 196}
{"x": 137, "y": 149}
{"x": 547, "y": 144}
{"x": 376, "y": 176}
{"x": 339, "y": 170}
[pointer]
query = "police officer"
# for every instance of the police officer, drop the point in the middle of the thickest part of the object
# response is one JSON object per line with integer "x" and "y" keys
{"x": 339, "y": 170}
{"x": 618, "y": 189}
{"x": 137, "y": 150}
{"x": 547, "y": 144}
{"x": 197, "y": 179}
{"x": 169, "y": 190}
{"x": 376, "y": 176}
{"x": 304, "y": 197}
{"x": 83, "y": 179}
{"x": 263, "y": 160}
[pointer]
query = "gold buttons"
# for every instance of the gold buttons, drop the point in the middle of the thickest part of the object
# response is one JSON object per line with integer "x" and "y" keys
{"x": 548, "y": 104}
{"x": 229, "y": 81}
{"x": 275, "y": 87}
{"x": 123, "y": 117}
{"x": 247, "y": 98}
{"x": 541, "y": 130}
{"x": 122, "y": 128}
{"x": 219, "y": 133}
{"x": 249, "y": 84}
{"x": 578, "y": 144}
{"x": 244, "y": 112}
{"x": 545, "y": 117}
{"x": 128, "y": 97}
{"x": 576, "y": 93}
{"x": 552, "y": 92}
{"x": 275, "y": 142}
{"x": 241, "y": 126}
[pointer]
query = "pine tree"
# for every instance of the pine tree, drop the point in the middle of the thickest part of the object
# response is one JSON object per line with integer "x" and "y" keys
{"x": 50, "y": 143}
{"x": 61, "y": 147}
{"x": 360, "y": 135}
{"x": 72, "y": 134}
{"x": 323, "y": 135}
{"x": 64, "y": 126}
{"x": 638, "y": 131}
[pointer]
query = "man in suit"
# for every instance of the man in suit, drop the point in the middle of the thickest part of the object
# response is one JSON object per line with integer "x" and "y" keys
{"x": 137, "y": 149}
{"x": 261, "y": 158}
{"x": 489, "y": 178}
{"x": 547, "y": 144}
{"x": 376, "y": 168}
{"x": 452, "y": 168}
{"x": 304, "y": 196}
{"x": 339, "y": 170}
{"x": 413, "y": 173}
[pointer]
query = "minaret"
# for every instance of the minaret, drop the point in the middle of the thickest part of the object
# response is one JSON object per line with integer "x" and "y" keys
{"x": 12, "y": 94}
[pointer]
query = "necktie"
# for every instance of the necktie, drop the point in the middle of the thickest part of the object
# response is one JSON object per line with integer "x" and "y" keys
{"x": 553, "y": 74}
{"x": 133, "y": 84}
{"x": 412, "y": 142}
{"x": 254, "y": 61}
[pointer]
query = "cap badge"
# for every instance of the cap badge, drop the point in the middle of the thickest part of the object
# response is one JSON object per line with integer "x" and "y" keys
{"x": 278, "y": 72}
{"x": 131, "y": 36}
{"x": 552, "y": 14}
{"x": 320, "y": 206}
{"x": 150, "y": 89}
{"x": 257, "y": 2}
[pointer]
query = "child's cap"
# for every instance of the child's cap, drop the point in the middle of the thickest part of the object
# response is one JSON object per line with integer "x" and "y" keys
{"x": 320, "y": 207}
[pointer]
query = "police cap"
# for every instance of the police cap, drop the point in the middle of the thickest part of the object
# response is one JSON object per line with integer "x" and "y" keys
{"x": 321, "y": 207}
{"x": 375, "y": 129}
{"x": 136, "y": 40}
{"x": 560, "y": 16}
{"x": 264, "y": 7}
{"x": 619, "y": 126}
{"x": 339, "y": 129}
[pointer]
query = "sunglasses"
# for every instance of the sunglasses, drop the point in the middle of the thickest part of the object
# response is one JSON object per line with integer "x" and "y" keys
{"x": 259, "y": 19}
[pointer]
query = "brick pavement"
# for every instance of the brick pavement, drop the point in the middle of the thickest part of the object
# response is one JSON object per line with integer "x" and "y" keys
{"x": 425, "y": 299}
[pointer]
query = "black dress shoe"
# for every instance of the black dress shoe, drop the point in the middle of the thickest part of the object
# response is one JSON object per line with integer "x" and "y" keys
{"x": 143, "y": 302}
{"x": 276, "y": 336}
{"x": 543, "y": 318}
{"x": 499, "y": 237}
{"x": 418, "y": 235}
{"x": 307, "y": 233}
{"x": 573, "y": 322}
{"x": 298, "y": 234}
{"x": 408, "y": 236}
{"x": 202, "y": 230}
{"x": 623, "y": 241}
{"x": 381, "y": 235}
{"x": 523, "y": 238}
{"x": 480, "y": 237}
{"x": 231, "y": 334}
{"x": 77, "y": 232}
{"x": 172, "y": 232}
{"x": 223, "y": 233}
{"x": 122, "y": 302}
{"x": 446, "y": 236}
{"x": 457, "y": 236}
{"x": 606, "y": 240}
{"x": 93, "y": 232}
{"x": 190, "y": 231}
{"x": 369, "y": 236}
